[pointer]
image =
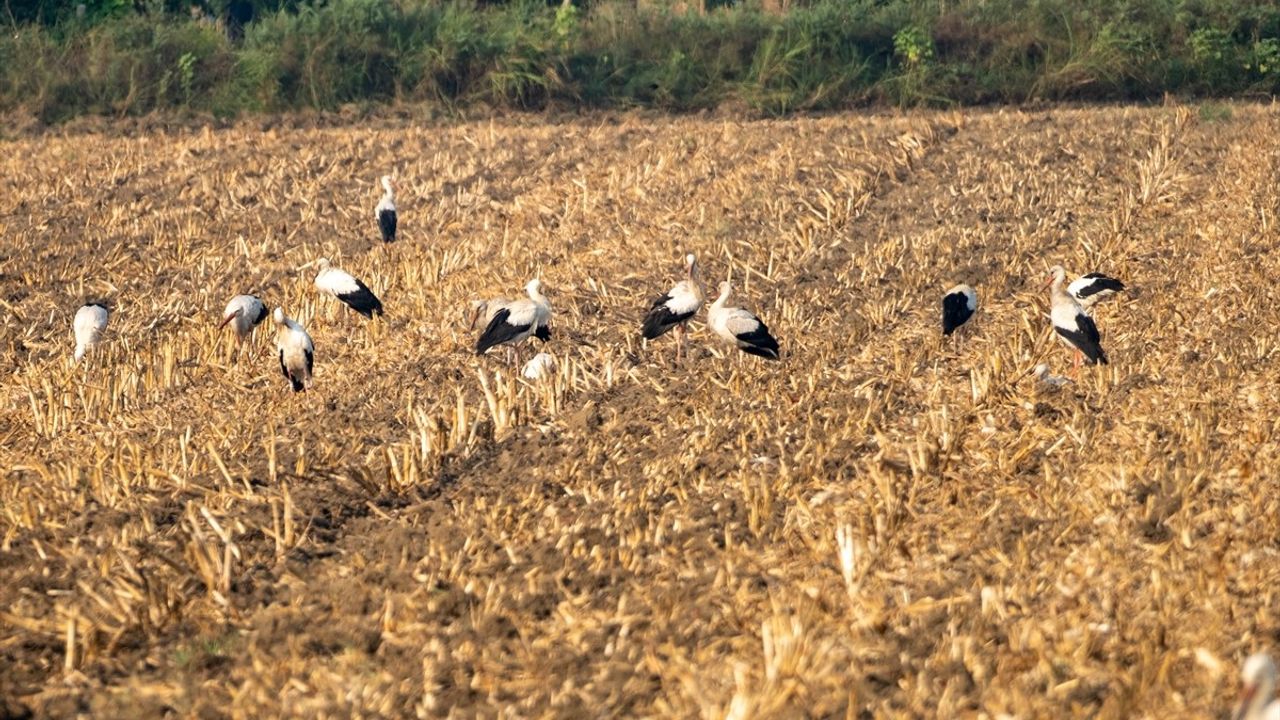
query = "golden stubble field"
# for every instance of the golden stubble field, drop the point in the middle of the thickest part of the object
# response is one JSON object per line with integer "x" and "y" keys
{"x": 881, "y": 525}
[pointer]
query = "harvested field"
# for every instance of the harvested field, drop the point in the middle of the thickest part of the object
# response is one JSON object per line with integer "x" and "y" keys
{"x": 883, "y": 524}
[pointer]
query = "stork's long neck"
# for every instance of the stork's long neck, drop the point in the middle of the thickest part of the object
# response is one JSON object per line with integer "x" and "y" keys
{"x": 1058, "y": 280}
{"x": 723, "y": 298}
{"x": 535, "y": 294}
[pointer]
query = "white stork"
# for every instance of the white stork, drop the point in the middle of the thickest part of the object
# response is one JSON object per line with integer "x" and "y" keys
{"x": 297, "y": 352}
{"x": 1072, "y": 324}
{"x": 676, "y": 308}
{"x": 958, "y": 305}
{"x": 518, "y": 320}
{"x": 89, "y": 323}
{"x": 539, "y": 367}
{"x": 1256, "y": 701}
{"x": 385, "y": 212}
{"x": 738, "y": 326}
{"x": 244, "y": 313}
{"x": 1092, "y": 288}
{"x": 353, "y": 293}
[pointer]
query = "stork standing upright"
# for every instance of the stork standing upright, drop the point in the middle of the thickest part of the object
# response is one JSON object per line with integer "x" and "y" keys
{"x": 244, "y": 313}
{"x": 958, "y": 305}
{"x": 1072, "y": 324}
{"x": 518, "y": 320}
{"x": 297, "y": 352}
{"x": 739, "y": 327}
{"x": 353, "y": 293}
{"x": 1092, "y": 288}
{"x": 89, "y": 323}
{"x": 1256, "y": 701}
{"x": 676, "y": 308}
{"x": 385, "y": 212}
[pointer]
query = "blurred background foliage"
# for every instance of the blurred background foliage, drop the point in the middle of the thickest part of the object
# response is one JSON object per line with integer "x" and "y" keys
{"x": 61, "y": 59}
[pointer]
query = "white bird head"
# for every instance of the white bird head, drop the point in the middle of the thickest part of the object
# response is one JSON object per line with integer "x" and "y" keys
{"x": 230, "y": 316}
{"x": 322, "y": 263}
{"x": 388, "y": 183}
{"x": 1259, "y": 676}
{"x": 1057, "y": 273}
{"x": 534, "y": 288}
{"x": 690, "y": 262}
{"x": 475, "y": 310}
{"x": 725, "y": 289}
{"x": 278, "y": 316}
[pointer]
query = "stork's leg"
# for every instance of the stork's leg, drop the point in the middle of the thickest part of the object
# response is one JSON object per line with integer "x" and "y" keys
{"x": 1076, "y": 367}
{"x": 679, "y": 343}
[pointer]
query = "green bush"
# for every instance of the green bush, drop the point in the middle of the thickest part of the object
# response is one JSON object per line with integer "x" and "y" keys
{"x": 135, "y": 56}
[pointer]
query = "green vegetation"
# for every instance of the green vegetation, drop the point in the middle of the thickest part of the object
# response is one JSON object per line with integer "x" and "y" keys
{"x": 118, "y": 58}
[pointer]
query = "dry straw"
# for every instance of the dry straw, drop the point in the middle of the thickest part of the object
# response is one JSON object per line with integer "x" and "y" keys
{"x": 882, "y": 525}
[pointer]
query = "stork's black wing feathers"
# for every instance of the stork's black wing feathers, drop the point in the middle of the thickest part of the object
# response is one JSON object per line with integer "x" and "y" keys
{"x": 955, "y": 312}
{"x": 543, "y": 333}
{"x": 760, "y": 342}
{"x": 1101, "y": 283}
{"x": 1086, "y": 339}
{"x": 500, "y": 331}
{"x": 262, "y": 314}
{"x": 294, "y": 382}
{"x": 311, "y": 361}
{"x": 387, "y": 223}
{"x": 362, "y": 300}
{"x": 660, "y": 319}
{"x": 1089, "y": 328}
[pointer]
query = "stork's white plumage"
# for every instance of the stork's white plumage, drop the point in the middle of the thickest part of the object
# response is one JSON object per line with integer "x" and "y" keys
{"x": 958, "y": 305}
{"x": 518, "y": 320}
{"x": 297, "y": 352}
{"x": 1041, "y": 372}
{"x": 484, "y": 309}
{"x": 1256, "y": 700}
{"x": 741, "y": 328}
{"x": 1092, "y": 288}
{"x": 1072, "y": 324}
{"x": 539, "y": 367}
{"x": 346, "y": 288}
{"x": 89, "y": 323}
{"x": 676, "y": 308}
{"x": 385, "y": 212}
{"x": 243, "y": 313}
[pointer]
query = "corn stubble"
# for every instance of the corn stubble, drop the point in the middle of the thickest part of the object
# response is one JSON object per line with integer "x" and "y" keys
{"x": 883, "y": 525}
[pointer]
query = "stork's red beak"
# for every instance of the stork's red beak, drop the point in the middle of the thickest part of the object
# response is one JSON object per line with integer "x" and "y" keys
{"x": 227, "y": 319}
{"x": 1246, "y": 698}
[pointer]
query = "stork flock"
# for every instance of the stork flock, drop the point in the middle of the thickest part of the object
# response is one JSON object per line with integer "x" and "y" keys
{"x": 506, "y": 322}
{"x": 510, "y": 322}
{"x": 1069, "y": 312}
